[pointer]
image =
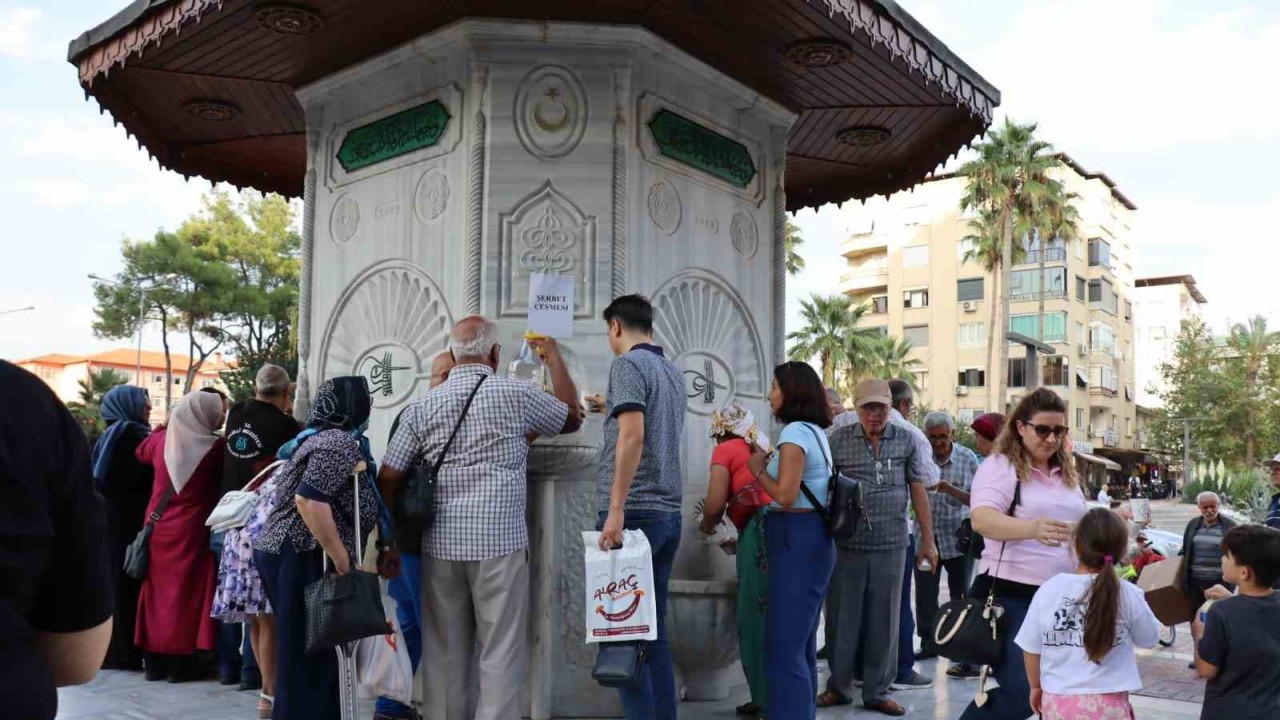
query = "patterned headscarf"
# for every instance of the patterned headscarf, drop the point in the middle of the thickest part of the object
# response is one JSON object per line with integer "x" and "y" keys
{"x": 123, "y": 407}
{"x": 341, "y": 403}
{"x": 734, "y": 419}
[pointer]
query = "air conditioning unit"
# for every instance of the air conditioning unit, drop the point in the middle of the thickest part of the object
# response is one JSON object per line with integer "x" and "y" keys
{"x": 969, "y": 306}
{"x": 962, "y": 389}
{"x": 1082, "y": 350}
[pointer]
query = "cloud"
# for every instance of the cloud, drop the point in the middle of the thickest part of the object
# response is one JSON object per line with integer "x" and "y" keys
{"x": 18, "y": 32}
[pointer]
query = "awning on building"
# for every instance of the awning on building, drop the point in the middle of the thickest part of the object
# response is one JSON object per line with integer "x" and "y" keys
{"x": 1098, "y": 460}
{"x": 1082, "y": 378}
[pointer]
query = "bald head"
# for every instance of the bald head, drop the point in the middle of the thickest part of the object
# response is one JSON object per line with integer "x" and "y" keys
{"x": 440, "y": 368}
{"x": 474, "y": 340}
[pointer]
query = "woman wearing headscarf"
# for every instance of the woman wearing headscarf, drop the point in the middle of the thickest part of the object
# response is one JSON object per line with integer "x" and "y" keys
{"x": 732, "y": 489}
{"x": 314, "y": 515}
{"x": 126, "y": 485}
{"x": 173, "y": 609}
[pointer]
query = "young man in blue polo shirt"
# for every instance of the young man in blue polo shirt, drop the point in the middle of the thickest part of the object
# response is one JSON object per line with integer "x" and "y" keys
{"x": 640, "y": 486}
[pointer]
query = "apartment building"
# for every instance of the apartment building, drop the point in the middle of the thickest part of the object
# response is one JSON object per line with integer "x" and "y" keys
{"x": 1160, "y": 305}
{"x": 906, "y": 260}
{"x": 64, "y": 373}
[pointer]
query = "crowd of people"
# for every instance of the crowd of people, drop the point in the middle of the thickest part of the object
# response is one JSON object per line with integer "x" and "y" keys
{"x": 1008, "y": 524}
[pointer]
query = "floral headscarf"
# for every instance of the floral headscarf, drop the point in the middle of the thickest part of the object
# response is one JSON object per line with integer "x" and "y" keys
{"x": 734, "y": 419}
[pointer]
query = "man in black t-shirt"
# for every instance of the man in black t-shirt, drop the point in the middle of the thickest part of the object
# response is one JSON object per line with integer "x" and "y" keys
{"x": 55, "y": 580}
{"x": 255, "y": 431}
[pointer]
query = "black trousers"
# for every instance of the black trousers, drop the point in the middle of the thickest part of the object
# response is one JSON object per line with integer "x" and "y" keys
{"x": 306, "y": 684}
{"x": 927, "y": 585}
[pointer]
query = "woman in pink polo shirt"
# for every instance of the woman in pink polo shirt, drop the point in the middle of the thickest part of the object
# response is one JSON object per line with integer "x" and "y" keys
{"x": 1034, "y": 534}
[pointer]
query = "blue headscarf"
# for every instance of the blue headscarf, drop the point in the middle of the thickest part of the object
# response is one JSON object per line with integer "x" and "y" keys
{"x": 123, "y": 407}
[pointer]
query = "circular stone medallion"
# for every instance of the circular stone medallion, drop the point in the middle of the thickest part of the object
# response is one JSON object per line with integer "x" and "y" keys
{"x": 746, "y": 238}
{"x": 392, "y": 371}
{"x": 708, "y": 383}
{"x": 550, "y": 112}
{"x": 432, "y": 195}
{"x": 345, "y": 219}
{"x": 664, "y": 207}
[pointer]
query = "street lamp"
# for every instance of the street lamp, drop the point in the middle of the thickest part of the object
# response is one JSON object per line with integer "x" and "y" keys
{"x": 18, "y": 310}
{"x": 142, "y": 309}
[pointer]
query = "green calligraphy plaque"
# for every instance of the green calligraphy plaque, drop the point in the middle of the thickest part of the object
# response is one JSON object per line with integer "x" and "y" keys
{"x": 408, "y": 130}
{"x": 698, "y": 147}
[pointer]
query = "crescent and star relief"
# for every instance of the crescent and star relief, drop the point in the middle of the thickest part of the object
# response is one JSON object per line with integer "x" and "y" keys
{"x": 551, "y": 126}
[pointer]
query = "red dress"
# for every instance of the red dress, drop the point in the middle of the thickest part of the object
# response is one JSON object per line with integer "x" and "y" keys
{"x": 177, "y": 594}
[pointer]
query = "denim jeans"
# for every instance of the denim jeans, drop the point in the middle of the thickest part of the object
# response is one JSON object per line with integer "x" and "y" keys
{"x": 906, "y": 621}
{"x": 1012, "y": 700}
{"x": 655, "y": 696}
{"x": 406, "y": 590}
{"x": 801, "y": 558}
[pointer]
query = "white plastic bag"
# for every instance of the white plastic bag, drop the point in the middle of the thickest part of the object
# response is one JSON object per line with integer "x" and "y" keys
{"x": 382, "y": 661}
{"x": 619, "y": 589}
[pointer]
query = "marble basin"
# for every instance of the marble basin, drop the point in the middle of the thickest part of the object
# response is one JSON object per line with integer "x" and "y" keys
{"x": 702, "y": 630}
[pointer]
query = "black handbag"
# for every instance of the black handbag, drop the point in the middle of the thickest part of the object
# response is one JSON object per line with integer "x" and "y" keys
{"x": 972, "y": 630}
{"x": 137, "y": 556}
{"x": 344, "y": 608}
{"x": 968, "y": 539}
{"x": 843, "y": 509}
{"x": 415, "y": 507}
{"x": 619, "y": 664}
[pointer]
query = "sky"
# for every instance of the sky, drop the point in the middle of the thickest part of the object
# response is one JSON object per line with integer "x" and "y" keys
{"x": 1172, "y": 99}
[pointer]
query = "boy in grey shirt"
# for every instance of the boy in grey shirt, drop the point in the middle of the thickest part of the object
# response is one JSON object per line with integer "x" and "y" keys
{"x": 640, "y": 486}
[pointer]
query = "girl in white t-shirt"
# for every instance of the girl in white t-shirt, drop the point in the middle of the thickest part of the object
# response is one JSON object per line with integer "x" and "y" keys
{"x": 1082, "y": 628}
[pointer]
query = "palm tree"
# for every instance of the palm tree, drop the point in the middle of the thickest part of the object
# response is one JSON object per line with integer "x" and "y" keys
{"x": 891, "y": 358}
{"x": 828, "y": 321}
{"x": 93, "y": 388}
{"x": 1255, "y": 345}
{"x": 1009, "y": 184}
{"x": 793, "y": 240}
{"x": 985, "y": 248}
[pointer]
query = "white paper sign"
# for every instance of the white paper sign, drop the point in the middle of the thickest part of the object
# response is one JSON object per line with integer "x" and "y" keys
{"x": 551, "y": 305}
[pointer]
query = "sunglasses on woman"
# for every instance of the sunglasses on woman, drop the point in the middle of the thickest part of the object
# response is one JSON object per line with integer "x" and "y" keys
{"x": 1044, "y": 431}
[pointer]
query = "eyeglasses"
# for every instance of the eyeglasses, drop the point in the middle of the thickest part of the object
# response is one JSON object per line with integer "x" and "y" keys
{"x": 875, "y": 408}
{"x": 1044, "y": 431}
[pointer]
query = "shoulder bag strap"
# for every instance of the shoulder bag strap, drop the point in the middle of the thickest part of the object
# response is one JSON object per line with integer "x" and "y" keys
{"x": 804, "y": 488}
{"x": 445, "y": 450}
{"x": 264, "y": 472}
{"x": 154, "y": 517}
{"x": 1017, "y": 500}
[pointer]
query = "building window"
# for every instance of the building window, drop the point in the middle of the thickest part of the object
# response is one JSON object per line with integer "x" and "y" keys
{"x": 1055, "y": 371}
{"x": 1102, "y": 338}
{"x": 1080, "y": 248}
{"x": 972, "y": 377}
{"x": 1025, "y": 284}
{"x": 918, "y": 298}
{"x": 915, "y": 256}
{"x": 157, "y": 379}
{"x": 973, "y": 334}
{"x": 1103, "y": 376}
{"x": 966, "y": 416}
{"x": 922, "y": 380}
{"x": 1157, "y": 333}
{"x": 1017, "y": 372}
{"x": 1080, "y": 417}
{"x": 969, "y": 289}
{"x": 879, "y": 304}
{"x": 1128, "y": 310}
{"x": 1055, "y": 326}
{"x": 1053, "y": 251}
{"x": 1099, "y": 253}
{"x": 962, "y": 249}
{"x": 917, "y": 335}
{"x": 1102, "y": 295}
{"x": 1082, "y": 289}
{"x": 1081, "y": 337}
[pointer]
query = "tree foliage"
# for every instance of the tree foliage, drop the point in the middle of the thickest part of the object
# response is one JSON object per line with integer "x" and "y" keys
{"x": 87, "y": 409}
{"x": 792, "y": 243}
{"x": 830, "y": 322}
{"x": 1230, "y": 390}
{"x": 227, "y": 278}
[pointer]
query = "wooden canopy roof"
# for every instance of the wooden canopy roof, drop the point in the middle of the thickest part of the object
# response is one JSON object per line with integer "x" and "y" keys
{"x": 207, "y": 86}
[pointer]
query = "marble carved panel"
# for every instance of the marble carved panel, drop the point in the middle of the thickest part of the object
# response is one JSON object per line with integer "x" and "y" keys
{"x": 547, "y": 232}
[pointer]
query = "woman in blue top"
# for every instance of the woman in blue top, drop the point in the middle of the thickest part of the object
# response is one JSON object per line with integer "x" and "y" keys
{"x": 801, "y": 553}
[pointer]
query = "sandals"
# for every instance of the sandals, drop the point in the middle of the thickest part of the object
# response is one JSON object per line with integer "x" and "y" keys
{"x": 831, "y": 698}
{"x": 266, "y": 704}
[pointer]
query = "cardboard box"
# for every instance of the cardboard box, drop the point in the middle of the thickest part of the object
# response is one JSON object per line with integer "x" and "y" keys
{"x": 1165, "y": 594}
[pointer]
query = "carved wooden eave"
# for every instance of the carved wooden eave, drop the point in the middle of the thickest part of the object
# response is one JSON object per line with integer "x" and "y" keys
{"x": 208, "y": 87}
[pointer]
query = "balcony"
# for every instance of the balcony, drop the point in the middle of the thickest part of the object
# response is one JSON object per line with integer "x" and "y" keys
{"x": 868, "y": 274}
{"x": 861, "y": 244}
{"x": 1053, "y": 294}
{"x": 1098, "y": 390}
{"x": 1051, "y": 255}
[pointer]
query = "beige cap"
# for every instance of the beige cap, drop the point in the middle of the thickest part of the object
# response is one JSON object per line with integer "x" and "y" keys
{"x": 1273, "y": 461}
{"x": 873, "y": 390}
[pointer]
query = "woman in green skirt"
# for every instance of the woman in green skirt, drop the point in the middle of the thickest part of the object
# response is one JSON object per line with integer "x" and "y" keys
{"x": 732, "y": 490}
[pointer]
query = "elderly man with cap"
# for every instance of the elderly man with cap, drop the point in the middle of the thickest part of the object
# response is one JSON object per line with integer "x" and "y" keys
{"x": 867, "y": 582}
